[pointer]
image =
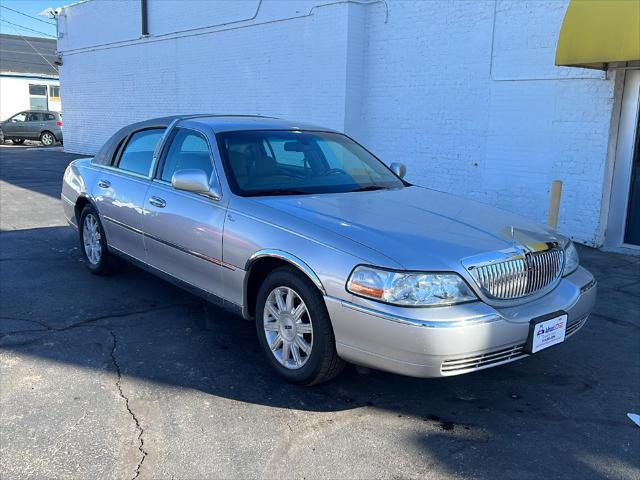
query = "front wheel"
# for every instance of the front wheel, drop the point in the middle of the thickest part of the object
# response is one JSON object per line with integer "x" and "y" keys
{"x": 17, "y": 141}
{"x": 47, "y": 139}
{"x": 294, "y": 329}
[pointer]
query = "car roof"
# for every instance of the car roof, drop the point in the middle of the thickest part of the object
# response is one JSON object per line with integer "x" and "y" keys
{"x": 218, "y": 123}
{"x": 229, "y": 123}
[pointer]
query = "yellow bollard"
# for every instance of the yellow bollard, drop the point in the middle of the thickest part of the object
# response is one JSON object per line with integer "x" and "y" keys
{"x": 554, "y": 203}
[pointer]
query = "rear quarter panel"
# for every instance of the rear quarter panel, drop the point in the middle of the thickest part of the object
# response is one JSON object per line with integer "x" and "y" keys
{"x": 78, "y": 181}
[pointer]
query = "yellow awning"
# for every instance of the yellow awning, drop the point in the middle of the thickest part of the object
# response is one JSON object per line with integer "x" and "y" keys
{"x": 598, "y": 32}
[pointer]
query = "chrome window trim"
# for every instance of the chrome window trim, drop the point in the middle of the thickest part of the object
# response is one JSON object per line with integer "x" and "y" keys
{"x": 115, "y": 162}
{"x": 126, "y": 173}
{"x": 157, "y": 153}
{"x": 154, "y": 173}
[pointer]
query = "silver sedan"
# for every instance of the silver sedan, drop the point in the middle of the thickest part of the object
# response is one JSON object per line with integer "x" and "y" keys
{"x": 331, "y": 252}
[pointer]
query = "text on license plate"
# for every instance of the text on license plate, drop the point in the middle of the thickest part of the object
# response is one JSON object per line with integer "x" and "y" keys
{"x": 545, "y": 332}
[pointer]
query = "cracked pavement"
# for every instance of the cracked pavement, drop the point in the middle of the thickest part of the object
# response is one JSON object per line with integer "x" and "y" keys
{"x": 130, "y": 377}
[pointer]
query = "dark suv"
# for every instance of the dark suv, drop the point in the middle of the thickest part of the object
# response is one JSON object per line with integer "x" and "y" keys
{"x": 40, "y": 125}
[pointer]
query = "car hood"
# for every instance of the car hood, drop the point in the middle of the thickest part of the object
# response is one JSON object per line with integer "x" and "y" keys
{"x": 417, "y": 227}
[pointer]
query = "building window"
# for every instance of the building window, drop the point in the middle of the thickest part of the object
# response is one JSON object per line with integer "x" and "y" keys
{"x": 54, "y": 93}
{"x": 38, "y": 97}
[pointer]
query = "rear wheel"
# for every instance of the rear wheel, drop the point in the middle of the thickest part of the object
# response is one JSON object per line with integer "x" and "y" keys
{"x": 93, "y": 243}
{"x": 17, "y": 141}
{"x": 47, "y": 139}
{"x": 294, "y": 329}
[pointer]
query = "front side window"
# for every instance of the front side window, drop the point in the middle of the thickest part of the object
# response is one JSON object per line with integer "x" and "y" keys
{"x": 21, "y": 117}
{"x": 189, "y": 150}
{"x": 300, "y": 162}
{"x": 138, "y": 153}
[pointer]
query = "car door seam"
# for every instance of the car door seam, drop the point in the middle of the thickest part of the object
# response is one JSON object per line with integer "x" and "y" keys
{"x": 202, "y": 256}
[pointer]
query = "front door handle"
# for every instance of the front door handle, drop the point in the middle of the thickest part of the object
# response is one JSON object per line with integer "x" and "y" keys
{"x": 157, "y": 202}
{"x": 104, "y": 183}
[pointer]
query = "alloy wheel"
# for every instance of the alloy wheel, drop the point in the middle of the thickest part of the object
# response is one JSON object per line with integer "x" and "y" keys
{"x": 92, "y": 239}
{"x": 288, "y": 328}
{"x": 47, "y": 139}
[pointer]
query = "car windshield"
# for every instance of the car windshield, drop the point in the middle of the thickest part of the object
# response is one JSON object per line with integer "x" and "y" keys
{"x": 300, "y": 162}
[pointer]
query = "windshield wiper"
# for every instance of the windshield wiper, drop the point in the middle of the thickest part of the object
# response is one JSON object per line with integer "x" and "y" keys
{"x": 278, "y": 191}
{"x": 369, "y": 188}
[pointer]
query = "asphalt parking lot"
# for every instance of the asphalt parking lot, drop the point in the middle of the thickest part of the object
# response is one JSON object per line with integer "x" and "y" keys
{"x": 128, "y": 376}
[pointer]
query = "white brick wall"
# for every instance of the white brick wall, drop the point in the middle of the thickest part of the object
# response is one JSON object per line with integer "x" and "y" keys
{"x": 465, "y": 93}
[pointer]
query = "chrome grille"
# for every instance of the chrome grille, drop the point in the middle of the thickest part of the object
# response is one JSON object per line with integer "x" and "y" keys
{"x": 519, "y": 276}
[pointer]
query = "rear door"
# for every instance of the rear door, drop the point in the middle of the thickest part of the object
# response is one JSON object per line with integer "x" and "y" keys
{"x": 183, "y": 230}
{"x": 34, "y": 125}
{"x": 121, "y": 189}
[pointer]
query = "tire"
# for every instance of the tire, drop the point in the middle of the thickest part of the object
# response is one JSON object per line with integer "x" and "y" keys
{"x": 98, "y": 259}
{"x": 321, "y": 363}
{"x": 17, "y": 141}
{"x": 47, "y": 138}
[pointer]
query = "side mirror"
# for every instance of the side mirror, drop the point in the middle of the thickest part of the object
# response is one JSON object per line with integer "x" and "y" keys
{"x": 400, "y": 169}
{"x": 196, "y": 181}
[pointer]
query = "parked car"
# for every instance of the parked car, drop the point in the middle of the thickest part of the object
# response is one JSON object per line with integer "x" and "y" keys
{"x": 331, "y": 253}
{"x": 40, "y": 125}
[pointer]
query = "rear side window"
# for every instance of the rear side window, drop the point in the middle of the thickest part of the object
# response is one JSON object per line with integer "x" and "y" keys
{"x": 138, "y": 153}
{"x": 50, "y": 116}
{"x": 188, "y": 150}
{"x": 34, "y": 117}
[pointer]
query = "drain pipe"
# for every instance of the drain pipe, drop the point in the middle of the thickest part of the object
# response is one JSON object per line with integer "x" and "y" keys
{"x": 145, "y": 18}
{"x": 554, "y": 203}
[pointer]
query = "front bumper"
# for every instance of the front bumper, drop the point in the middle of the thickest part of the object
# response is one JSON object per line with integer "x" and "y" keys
{"x": 444, "y": 341}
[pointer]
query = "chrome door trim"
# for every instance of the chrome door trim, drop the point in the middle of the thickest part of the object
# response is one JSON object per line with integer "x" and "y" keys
{"x": 215, "y": 261}
{"x": 124, "y": 225}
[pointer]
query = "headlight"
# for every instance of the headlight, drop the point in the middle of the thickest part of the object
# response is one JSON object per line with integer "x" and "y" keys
{"x": 571, "y": 260}
{"x": 409, "y": 288}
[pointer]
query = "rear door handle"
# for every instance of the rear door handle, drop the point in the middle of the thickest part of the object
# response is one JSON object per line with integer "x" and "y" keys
{"x": 104, "y": 183}
{"x": 157, "y": 202}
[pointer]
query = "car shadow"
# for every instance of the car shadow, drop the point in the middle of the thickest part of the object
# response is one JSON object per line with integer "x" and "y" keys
{"x": 543, "y": 415}
{"x": 34, "y": 167}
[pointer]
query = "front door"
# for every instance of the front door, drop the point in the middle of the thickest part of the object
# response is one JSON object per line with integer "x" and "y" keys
{"x": 15, "y": 126}
{"x": 120, "y": 192}
{"x": 183, "y": 230}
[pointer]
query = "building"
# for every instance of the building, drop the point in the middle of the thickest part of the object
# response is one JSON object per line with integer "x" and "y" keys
{"x": 28, "y": 75}
{"x": 467, "y": 94}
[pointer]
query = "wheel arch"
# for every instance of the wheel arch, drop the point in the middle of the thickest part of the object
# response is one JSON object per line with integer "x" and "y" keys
{"x": 260, "y": 264}
{"x": 81, "y": 202}
{"x": 47, "y": 131}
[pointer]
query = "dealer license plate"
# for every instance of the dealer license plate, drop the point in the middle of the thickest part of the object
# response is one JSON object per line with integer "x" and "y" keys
{"x": 546, "y": 331}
